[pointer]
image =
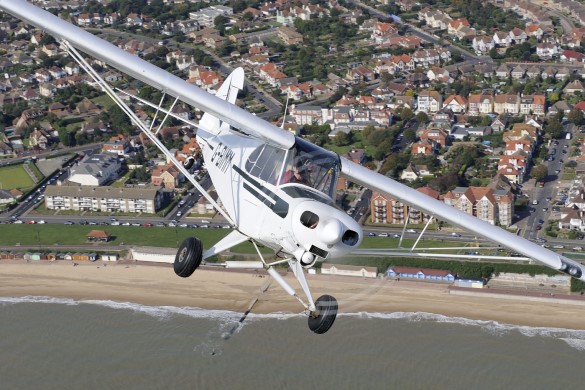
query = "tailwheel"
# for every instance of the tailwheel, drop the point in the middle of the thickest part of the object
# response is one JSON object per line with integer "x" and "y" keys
{"x": 188, "y": 163}
{"x": 189, "y": 256}
{"x": 323, "y": 317}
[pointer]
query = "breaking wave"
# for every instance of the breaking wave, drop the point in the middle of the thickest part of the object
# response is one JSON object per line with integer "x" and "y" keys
{"x": 574, "y": 338}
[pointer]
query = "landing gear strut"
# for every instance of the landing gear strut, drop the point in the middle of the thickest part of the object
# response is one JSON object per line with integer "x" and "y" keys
{"x": 189, "y": 256}
{"x": 324, "y": 315}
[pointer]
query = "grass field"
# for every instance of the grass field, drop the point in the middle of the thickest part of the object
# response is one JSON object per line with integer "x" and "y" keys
{"x": 14, "y": 176}
{"x": 53, "y": 234}
{"x": 154, "y": 236}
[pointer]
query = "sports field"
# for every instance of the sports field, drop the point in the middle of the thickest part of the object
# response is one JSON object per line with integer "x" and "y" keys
{"x": 14, "y": 176}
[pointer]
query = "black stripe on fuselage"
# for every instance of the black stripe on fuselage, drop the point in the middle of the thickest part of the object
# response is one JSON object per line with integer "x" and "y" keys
{"x": 263, "y": 194}
{"x": 255, "y": 183}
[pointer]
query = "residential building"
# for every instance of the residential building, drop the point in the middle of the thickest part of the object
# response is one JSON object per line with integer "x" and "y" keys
{"x": 95, "y": 170}
{"x": 105, "y": 199}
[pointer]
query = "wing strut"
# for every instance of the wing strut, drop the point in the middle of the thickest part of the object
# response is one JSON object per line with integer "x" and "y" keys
{"x": 421, "y": 233}
{"x": 153, "y": 138}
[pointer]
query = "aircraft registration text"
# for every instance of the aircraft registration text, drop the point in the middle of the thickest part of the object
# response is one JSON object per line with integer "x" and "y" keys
{"x": 222, "y": 157}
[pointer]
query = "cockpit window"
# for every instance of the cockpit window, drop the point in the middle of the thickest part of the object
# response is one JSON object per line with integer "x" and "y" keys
{"x": 265, "y": 163}
{"x": 312, "y": 166}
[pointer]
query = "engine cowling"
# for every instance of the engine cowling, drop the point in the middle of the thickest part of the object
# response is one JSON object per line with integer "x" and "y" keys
{"x": 323, "y": 231}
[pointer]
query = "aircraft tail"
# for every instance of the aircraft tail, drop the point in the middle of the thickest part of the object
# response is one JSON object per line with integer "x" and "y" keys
{"x": 229, "y": 92}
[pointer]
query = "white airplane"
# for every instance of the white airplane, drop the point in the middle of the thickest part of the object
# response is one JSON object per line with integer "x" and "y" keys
{"x": 276, "y": 189}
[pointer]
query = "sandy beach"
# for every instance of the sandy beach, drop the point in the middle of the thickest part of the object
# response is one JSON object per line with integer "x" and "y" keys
{"x": 157, "y": 285}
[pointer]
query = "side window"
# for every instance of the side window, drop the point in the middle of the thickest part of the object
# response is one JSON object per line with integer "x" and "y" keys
{"x": 265, "y": 163}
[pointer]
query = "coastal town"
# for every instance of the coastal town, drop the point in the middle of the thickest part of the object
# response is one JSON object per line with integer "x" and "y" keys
{"x": 483, "y": 114}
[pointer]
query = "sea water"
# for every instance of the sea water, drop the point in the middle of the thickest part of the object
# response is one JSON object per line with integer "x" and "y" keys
{"x": 48, "y": 343}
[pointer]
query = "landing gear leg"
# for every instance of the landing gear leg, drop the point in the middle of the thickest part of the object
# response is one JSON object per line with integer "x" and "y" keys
{"x": 189, "y": 256}
{"x": 322, "y": 318}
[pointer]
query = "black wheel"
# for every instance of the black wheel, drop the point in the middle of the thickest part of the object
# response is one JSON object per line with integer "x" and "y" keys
{"x": 188, "y": 163}
{"x": 188, "y": 257}
{"x": 322, "y": 319}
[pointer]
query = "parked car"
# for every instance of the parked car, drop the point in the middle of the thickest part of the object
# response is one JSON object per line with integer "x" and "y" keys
{"x": 371, "y": 234}
{"x": 411, "y": 231}
{"x": 455, "y": 234}
{"x": 383, "y": 235}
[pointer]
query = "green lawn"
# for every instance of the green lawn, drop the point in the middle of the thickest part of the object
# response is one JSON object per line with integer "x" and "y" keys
{"x": 128, "y": 235}
{"x": 156, "y": 236}
{"x": 14, "y": 176}
{"x": 104, "y": 101}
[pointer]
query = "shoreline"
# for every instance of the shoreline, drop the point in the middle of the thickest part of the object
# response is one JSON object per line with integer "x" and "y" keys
{"x": 218, "y": 289}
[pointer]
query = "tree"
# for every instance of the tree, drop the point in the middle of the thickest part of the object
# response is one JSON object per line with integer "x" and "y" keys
{"x": 342, "y": 139}
{"x": 554, "y": 128}
{"x": 120, "y": 121}
{"x": 539, "y": 172}
{"x": 406, "y": 114}
{"x": 575, "y": 116}
{"x": 553, "y": 97}
{"x": 409, "y": 135}
{"x": 422, "y": 117}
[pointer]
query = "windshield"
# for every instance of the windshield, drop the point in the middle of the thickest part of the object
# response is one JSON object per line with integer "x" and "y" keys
{"x": 312, "y": 166}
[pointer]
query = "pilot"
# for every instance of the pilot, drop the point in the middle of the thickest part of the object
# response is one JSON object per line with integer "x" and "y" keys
{"x": 298, "y": 174}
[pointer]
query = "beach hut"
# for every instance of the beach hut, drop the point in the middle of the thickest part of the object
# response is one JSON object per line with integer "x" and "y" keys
{"x": 92, "y": 256}
{"x": 349, "y": 270}
{"x": 109, "y": 257}
{"x": 468, "y": 283}
{"x": 51, "y": 256}
{"x": 68, "y": 256}
{"x": 80, "y": 257}
{"x": 415, "y": 273}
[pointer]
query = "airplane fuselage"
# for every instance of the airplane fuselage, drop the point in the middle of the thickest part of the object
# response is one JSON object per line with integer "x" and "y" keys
{"x": 258, "y": 190}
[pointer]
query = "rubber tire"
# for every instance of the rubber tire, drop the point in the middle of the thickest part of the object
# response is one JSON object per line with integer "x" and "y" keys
{"x": 188, "y": 257}
{"x": 326, "y": 305}
{"x": 189, "y": 162}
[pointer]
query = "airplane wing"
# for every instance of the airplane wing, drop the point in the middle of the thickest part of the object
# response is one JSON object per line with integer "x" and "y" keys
{"x": 377, "y": 182}
{"x": 148, "y": 73}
